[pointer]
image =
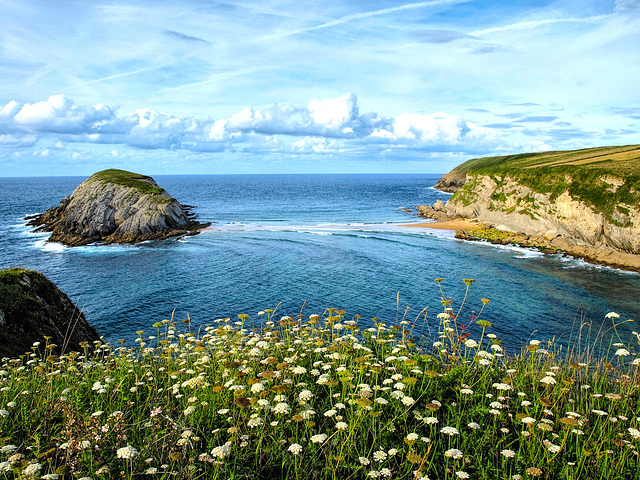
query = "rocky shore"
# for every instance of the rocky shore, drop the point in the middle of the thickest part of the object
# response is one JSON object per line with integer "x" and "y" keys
{"x": 115, "y": 206}
{"x": 550, "y": 242}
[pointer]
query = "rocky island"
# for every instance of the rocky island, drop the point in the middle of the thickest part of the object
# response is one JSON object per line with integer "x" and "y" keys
{"x": 584, "y": 203}
{"x": 116, "y": 206}
{"x": 32, "y": 308}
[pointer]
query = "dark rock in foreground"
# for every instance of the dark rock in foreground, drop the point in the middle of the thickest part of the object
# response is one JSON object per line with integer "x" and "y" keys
{"x": 115, "y": 206}
{"x": 32, "y": 308}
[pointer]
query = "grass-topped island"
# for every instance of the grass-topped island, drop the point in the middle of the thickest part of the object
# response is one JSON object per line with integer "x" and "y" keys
{"x": 324, "y": 396}
{"x": 116, "y": 206}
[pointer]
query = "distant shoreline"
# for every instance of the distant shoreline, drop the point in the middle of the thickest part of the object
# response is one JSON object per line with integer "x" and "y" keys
{"x": 456, "y": 224}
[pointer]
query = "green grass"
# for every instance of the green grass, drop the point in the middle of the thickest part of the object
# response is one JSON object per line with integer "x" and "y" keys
{"x": 127, "y": 179}
{"x": 580, "y": 173}
{"x": 324, "y": 396}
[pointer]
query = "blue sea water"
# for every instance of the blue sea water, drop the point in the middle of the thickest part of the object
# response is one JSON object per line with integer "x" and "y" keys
{"x": 316, "y": 241}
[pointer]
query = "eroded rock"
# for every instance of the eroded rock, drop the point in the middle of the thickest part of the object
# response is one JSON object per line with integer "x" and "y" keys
{"x": 115, "y": 206}
{"x": 32, "y": 308}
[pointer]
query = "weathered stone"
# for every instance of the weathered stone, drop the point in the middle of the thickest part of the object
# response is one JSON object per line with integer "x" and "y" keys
{"x": 114, "y": 206}
{"x": 32, "y": 308}
{"x": 451, "y": 182}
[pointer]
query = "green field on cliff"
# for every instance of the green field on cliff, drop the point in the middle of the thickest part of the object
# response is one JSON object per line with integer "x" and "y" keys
{"x": 618, "y": 161}
{"x": 606, "y": 178}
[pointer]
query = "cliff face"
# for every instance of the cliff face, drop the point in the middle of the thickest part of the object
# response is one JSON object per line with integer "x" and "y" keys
{"x": 31, "y": 308}
{"x": 505, "y": 202}
{"x": 115, "y": 206}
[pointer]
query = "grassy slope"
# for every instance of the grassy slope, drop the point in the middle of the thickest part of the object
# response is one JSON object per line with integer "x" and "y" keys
{"x": 578, "y": 172}
{"x": 134, "y": 180}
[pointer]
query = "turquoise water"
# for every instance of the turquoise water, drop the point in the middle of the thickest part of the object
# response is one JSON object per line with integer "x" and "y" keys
{"x": 313, "y": 240}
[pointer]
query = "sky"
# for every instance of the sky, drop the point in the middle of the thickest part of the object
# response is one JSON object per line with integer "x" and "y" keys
{"x": 331, "y": 86}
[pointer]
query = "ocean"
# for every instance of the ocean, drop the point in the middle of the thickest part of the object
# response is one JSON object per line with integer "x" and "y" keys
{"x": 307, "y": 243}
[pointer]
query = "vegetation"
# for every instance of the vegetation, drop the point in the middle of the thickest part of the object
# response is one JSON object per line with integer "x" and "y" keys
{"x": 310, "y": 397}
{"x": 128, "y": 179}
{"x": 602, "y": 177}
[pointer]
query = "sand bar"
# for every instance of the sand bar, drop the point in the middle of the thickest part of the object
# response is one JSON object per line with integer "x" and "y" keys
{"x": 458, "y": 224}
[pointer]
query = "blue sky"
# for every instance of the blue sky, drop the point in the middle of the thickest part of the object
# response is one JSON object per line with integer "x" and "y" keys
{"x": 272, "y": 86}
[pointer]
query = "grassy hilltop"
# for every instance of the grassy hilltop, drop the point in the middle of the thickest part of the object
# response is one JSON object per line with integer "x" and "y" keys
{"x": 603, "y": 177}
{"x": 128, "y": 179}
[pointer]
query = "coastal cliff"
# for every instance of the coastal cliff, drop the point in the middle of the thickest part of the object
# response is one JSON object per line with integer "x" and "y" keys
{"x": 32, "y": 308}
{"x": 584, "y": 202}
{"x": 115, "y": 206}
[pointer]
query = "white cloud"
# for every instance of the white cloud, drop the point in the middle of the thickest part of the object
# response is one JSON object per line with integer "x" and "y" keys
{"x": 58, "y": 114}
{"x": 322, "y": 126}
{"x": 18, "y": 140}
{"x": 334, "y": 112}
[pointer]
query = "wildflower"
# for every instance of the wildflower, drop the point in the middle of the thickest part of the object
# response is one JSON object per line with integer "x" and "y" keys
{"x": 319, "y": 438}
{"x": 364, "y": 460}
{"x": 8, "y": 449}
{"x": 600, "y": 412}
{"x": 412, "y": 437}
{"x": 127, "y": 453}
{"x": 635, "y": 433}
{"x": 431, "y": 420}
{"x": 298, "y": 370}
{"x": 528, "y": 420}
{"x": 255, "y": 422}
{"x": 392, "y": 452}
{"x": 534, "y": 471}
{"x": 449, "y": 431}
{"x": 622, "y": 352}
{"x": 461, "y": 474}
{"x": 4, "y": 413}
{"x": 466, "y": 391}
{"x": 282, "y": 409}
{"x": 50, "y": 476}
{"x": 379, "y": 456}
{"x": 295, "y": 448}
{"x": 305, "y": 395}
{"x": 189, "y": 410}
{"x": 408, "y": 401}
{"x": 341, "y": 426}
{"x": 612, "y": 315}
{"x": 257, "y": 387}
{"x": 548, "y": 380}
{"x": 502, "y": 386}
{"x": 385, "y": 472}
{"x": 508, "y": 453}
{"x": 471, "y": 343}
{"x": 453, "y": 453}
{"x": 32, "y": 470}
{"x": 373, "y": 474}
{"x": 330, "y": 413}
{"x": 553, "y": 448}
{"x": 474, "y": 426}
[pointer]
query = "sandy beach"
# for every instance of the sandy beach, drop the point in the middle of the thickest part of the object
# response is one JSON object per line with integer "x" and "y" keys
{"x": 459, "y": 224}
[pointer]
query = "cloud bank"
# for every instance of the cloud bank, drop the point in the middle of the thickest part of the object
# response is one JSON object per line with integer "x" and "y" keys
{"x": 327, "y": 125}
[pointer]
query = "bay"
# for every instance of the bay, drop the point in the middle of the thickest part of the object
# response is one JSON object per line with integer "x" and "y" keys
{"x": 316, "y": 241}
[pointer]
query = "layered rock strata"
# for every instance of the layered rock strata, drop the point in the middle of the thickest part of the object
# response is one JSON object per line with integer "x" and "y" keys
{"x": 115, "y": 206}
{"x": 553, "y": 224}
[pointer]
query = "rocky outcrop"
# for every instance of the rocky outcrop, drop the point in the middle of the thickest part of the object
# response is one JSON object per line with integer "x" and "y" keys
{"x": 32, "y": 308}
{"x": 551, "y": 223}
{"x": 451, "y": 182}
{"x": 115, "y": 206}
{"x": 438, "y": 212}
{"x": 512, "y": 206}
